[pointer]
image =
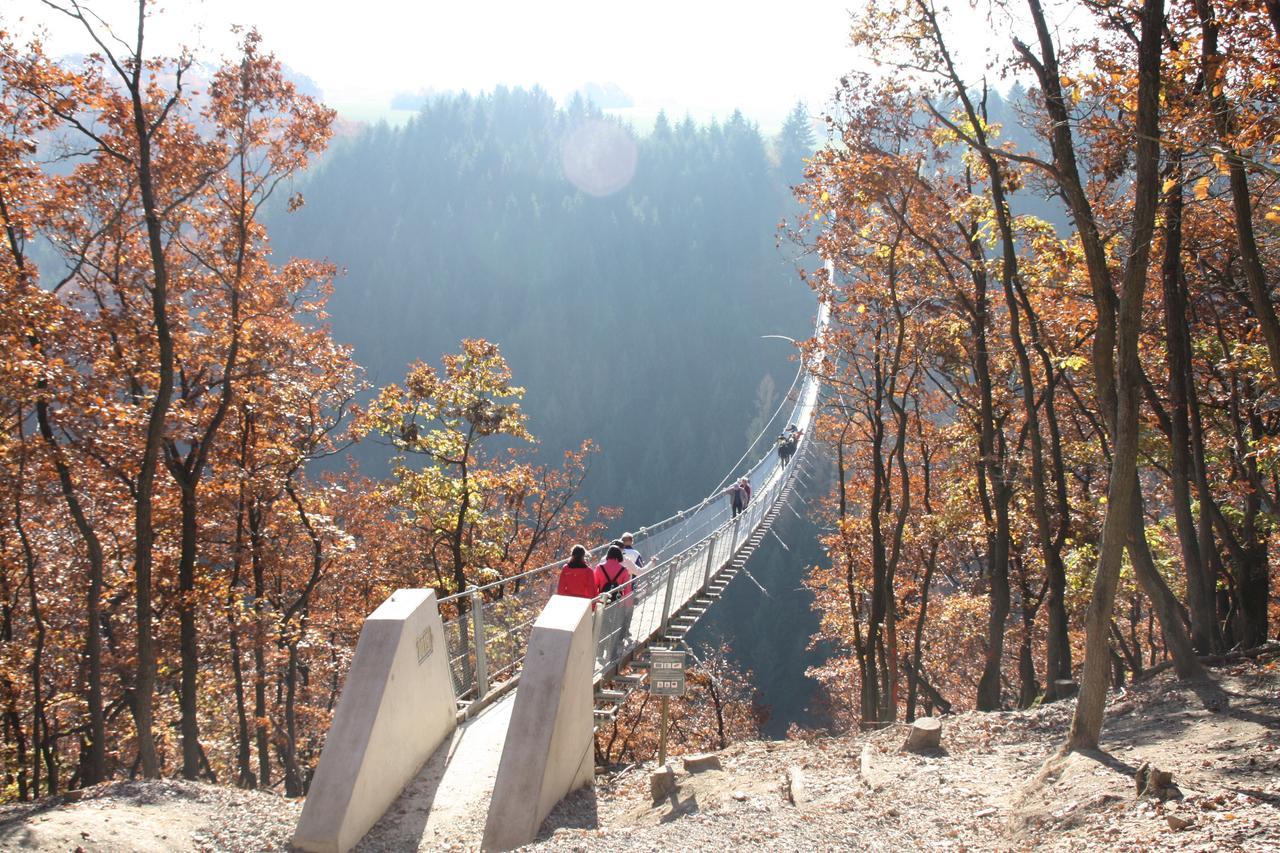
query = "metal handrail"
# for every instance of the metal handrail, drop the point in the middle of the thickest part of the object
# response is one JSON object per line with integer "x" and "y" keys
{"x": 475, "y": 666}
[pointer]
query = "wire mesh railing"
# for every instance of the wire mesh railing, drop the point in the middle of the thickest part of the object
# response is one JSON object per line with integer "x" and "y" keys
{"x": 488, "y": 636}
{"x": 639, "y": 614}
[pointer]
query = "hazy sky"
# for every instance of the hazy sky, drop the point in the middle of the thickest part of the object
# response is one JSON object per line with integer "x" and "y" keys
{"x": 707, "y": 56}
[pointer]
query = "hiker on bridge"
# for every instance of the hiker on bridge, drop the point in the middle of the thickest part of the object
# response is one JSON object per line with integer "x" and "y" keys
{"x": 632, "y": 560}
{"x": 630, "y": 553}
{"x": 737, "y": 498}
{"x": 577, "y": 578}
{"x": 787, "y": 443}
{"x": 616, "y": 584}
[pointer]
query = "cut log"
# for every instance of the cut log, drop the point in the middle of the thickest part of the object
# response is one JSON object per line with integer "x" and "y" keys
{"x": 700, "y": 763}
{"x": 926, "y": 733}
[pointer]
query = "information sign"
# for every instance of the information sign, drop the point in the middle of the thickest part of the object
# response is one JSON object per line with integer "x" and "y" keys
{"x": 666, "y": 672}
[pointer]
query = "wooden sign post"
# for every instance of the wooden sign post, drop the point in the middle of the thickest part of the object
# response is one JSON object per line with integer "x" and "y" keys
{"x": 666, "y": 679}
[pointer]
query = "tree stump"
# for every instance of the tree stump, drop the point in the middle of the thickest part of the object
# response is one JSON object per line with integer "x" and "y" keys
{"x": 926, "y": 733}
{"x": 1151, "y": 781}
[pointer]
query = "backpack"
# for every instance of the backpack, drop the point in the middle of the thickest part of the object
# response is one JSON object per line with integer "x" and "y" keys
{"x": 611, "y": 584}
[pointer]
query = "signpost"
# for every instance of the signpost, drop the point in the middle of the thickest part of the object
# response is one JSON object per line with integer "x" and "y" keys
{"x": 666, "y": 679}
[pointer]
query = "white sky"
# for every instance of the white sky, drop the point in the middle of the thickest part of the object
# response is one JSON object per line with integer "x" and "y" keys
{"x": 706, "y": 57}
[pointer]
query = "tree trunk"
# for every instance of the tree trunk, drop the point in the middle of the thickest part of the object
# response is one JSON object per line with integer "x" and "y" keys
{"x": 187, "y": 641}
{"x": 94, "y": 763}
{"x": 260, "y": 722}
{"x": 1178, "y": 349}
{"x": 913, "y": 679}
{"x": 144, "y": 531}
{"x": 40, "y": 740}
{"x": 1241, "y": 205}
{"x": 289, "y": 754}
{"x": 1086, "y": 725}
{"x": 1166, "y": 605}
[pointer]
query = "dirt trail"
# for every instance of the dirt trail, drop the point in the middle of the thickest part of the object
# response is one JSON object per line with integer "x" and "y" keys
{"x": 1220, "y": 740}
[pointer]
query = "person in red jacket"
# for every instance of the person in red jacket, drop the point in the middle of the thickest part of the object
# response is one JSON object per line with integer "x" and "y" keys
{"x": 616, "y": 582}
{"x": 577, "y": 578}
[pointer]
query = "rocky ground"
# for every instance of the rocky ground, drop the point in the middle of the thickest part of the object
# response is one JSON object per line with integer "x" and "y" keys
{"x": 152, "y": 817}
{"x": 993, "y": 786}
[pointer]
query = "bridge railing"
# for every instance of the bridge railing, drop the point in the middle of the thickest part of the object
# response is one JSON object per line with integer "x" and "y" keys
{"x": 488, "y": 636}
{"x": 501, "y": 614}
{"x": 660, "y": 592}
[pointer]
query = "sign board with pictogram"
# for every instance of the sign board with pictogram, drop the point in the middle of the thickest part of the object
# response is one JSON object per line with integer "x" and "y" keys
{"x": 666, "y": 672}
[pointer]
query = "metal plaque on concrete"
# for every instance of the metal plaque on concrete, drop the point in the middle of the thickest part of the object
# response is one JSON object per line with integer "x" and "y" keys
{"x": 426, "y": 644}
{"x": 666, "y": 672}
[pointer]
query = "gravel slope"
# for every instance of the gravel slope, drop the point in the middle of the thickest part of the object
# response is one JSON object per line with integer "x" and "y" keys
{"x": 995, "y": 786}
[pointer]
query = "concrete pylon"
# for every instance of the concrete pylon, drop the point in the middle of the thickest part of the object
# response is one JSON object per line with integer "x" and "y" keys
{"x": 549, "y": 751}
{"x": 397, "y": 706}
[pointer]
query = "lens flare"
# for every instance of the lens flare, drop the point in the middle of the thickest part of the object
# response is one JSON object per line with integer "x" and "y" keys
{"x": 598, "y": 157}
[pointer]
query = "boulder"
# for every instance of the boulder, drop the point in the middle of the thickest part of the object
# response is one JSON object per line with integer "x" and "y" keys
{"x": 662, "y": 782}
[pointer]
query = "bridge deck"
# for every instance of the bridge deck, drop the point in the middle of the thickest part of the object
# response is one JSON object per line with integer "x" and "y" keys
{"x": 446, "y": 803}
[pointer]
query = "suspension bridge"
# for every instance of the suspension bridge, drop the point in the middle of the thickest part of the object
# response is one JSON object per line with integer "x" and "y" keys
{"x": 475, "y": 726}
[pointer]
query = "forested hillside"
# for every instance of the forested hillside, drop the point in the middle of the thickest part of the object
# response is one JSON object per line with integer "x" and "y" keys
{"x": 1056, "y": 443}
{"x": 631, "y": 310}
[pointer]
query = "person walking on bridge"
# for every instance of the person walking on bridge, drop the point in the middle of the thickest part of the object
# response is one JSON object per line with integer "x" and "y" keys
{"x": 737, "y": 498}
{"x": 616, "y": 583}
{"x": 787, "y": 443}
{"x": 629, "y": 552}
{"x": 632, "y": 560}
{"x": 577, "y": 578}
